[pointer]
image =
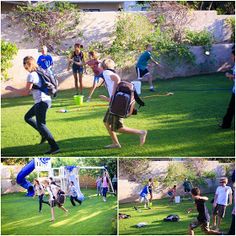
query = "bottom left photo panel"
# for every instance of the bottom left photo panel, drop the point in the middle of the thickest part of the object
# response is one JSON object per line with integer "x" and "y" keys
{"x": 59, "y": 196}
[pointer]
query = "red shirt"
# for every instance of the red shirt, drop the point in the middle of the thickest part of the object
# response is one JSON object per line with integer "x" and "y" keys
{"x": 93, "y": 63}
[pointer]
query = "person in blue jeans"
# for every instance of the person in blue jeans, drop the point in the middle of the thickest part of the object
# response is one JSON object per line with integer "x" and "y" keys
{"x": 142, "y": 64}
{"x": 40, "y": 192}
{"x": 228, "y": 118}
{"x": 73, "y": 194}
{"x": 45, "y": 60}
{"x": 42, "y": 102}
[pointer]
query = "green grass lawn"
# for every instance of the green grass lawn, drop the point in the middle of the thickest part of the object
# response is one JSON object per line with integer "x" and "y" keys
{"x": 94, "y": 217}
{"x": 161, "y": 209}
{"x": 185, "y": 124}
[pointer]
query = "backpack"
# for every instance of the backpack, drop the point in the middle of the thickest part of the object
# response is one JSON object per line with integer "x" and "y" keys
{"x": 123, "y": 102}
{"x": 61, "y": 197}
{"x": 49, "y": 83}
{"x": 172, "y": 218}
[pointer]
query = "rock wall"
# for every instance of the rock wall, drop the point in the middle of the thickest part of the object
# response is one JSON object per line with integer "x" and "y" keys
{"x": 129, "y": 190}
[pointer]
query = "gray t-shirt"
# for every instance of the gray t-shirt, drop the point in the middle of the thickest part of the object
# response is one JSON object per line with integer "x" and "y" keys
{"x": 38, "y": 95}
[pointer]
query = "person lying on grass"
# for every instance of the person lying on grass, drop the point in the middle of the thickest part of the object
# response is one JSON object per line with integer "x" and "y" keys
{"x": 203, "y": 218}
{"x": 112, "y": 122}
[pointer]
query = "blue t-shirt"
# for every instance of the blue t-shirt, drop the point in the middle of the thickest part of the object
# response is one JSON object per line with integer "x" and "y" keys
{"x": 45, "y": 61}
{"x": 143, "y": 60}
{"x": 144, "y": 192}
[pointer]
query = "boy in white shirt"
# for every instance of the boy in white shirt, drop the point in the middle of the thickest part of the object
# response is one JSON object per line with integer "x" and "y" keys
{"x": 112, "y": 122}
{"x": 223, "y": 195}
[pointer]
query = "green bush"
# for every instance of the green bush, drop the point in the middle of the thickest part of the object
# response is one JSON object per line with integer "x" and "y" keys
{"x": 202, "y": 38}
{"x": 9, "y": 50}
{"x": 130, "y": 37}
{"x": 31, "y": 177}
{"x": 231, "y": 22}
{"x": 210, "y": 175}
{"x": 49, "y": 23}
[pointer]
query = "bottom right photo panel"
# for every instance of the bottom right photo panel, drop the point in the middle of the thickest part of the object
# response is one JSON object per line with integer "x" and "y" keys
{"x": 176, "y": 196}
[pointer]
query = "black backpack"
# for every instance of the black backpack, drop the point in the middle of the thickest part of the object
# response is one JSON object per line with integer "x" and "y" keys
{"x": 49, "y": 83}
{"x": 123, "y": 102}
{"x": 172, "y": 218}
{"x": 61, "y": 197}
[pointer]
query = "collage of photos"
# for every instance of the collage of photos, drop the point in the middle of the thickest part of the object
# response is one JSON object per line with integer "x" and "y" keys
{"x": 117, "y": 117}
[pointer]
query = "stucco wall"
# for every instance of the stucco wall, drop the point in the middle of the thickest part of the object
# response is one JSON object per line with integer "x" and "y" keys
{"x": 129, "y": 190}
{"x": 99, "y": 27}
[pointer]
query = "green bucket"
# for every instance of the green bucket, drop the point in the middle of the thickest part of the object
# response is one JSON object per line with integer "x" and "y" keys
{"x": 78, "y": 99}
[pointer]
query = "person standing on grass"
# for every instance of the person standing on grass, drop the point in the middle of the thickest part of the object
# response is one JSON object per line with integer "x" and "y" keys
{"x": 143, "y": 196}
{"x": 99, "y": 185}
{"x": 142, "y": 64}
{"x": 40, "y": 192}
{"x": 223, "y": 198}
{"x": 227, "y": 120}
{"x": 203, "y": 218}
{"x": 105, "y": 184}
{"x": 42, "y": 103}
{"x": 45, "y": 60}
{"x": 187, "y": 187}
{"x": 112, "y": 122}
{"x": 73, "y": 194}
{"x": 52, "y": 190}
{"x": 114, "y": 183}
{"x": 232, "y": 226}
{"x": 150, "y": 189}
{"x": 172, "y": 193}
{"x": 94, "y": 64}
{"x": 77, "y": 61}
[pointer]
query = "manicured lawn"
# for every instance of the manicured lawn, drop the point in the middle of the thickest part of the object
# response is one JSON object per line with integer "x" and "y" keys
{"x": 94, "y": 217}
{"x": 185, "y": 124}
{"x": 161, "y": 209}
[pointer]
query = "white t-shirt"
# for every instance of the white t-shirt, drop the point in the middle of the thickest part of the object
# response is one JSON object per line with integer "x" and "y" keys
{"x": 223, "y": 195}
{"x": 38, "y": 95}
{"x": 109, "y": 82}
{"x": 52, "y": 190}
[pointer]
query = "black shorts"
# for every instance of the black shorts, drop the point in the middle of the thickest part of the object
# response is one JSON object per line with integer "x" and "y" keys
{"x": 141, "y": 73}
{"x": 186, "y": 190}
{"x": 219, "y": 210}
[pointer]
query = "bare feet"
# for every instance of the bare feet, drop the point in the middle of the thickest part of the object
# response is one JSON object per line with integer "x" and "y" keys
{"x": 143, "y": 137}
{"x": 113, "y": 146}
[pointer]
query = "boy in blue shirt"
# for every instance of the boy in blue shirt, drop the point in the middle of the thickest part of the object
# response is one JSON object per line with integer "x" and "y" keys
{"x": 45, "y": 60}
{"x": 142, "y": 64}
{"x": 144, "y": 196}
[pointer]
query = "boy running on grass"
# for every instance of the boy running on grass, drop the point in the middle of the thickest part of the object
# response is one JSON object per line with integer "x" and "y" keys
{"x": 112, "y": 122}
{"x": 203, "y": 218}
{"x": 142, "y": 64}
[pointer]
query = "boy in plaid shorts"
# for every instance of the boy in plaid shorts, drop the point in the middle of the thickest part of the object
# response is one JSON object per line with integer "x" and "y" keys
{"x": 112, "y": 122}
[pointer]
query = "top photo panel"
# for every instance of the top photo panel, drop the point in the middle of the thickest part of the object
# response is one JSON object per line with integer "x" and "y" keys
{"x": 118, "y": 78}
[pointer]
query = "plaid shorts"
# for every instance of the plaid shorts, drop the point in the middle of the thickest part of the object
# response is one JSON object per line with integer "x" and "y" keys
{"x": 219, "y": 210}
{"x": 205, "y": 226}
{"x": 114, "y": 121}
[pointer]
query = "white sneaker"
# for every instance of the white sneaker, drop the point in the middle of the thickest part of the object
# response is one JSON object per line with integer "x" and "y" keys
{"x": 88, "y": 99}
